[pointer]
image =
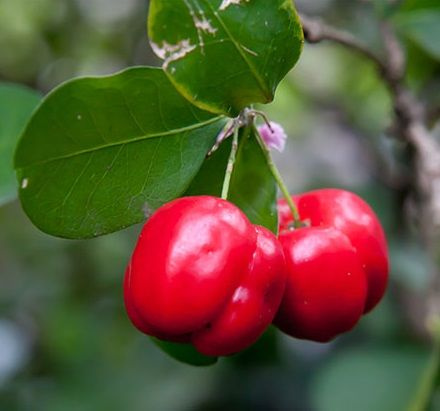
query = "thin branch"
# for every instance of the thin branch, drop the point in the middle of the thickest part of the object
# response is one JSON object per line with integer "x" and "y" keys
{"x": 391, "y": 69}
{"x": 395, "y": 55}
{"x": 315, "y": 31}
{"x": 410, "y": 125}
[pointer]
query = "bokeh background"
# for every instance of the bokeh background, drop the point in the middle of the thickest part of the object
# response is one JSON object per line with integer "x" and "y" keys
{"x": 65, "y": 341}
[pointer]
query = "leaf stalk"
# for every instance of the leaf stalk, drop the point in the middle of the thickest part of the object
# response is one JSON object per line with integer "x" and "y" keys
{"x": 231, "y": 163}
{"x": 297, "y": 223}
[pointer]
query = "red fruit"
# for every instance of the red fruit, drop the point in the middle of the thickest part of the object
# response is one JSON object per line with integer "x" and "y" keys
{"x": 326, "y": 286}
{"x": 195, "y": 276}
{"x": 352, "y": 216}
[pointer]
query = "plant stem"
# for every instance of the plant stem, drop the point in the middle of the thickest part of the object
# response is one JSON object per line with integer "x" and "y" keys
{"x": 277, "y": 176}
{"x": 231, "y": 163}
{"x": 426, "y": 387}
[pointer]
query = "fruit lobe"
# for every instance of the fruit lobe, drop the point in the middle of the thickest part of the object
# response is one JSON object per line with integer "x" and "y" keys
{"x": 253, "y": 304}
{"x": 348, "y": 213}
{"x": 326, "y": 286}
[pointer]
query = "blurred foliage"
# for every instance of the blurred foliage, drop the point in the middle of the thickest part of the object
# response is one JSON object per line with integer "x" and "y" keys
{"x": 65, "y": 342}
{"x": 365, "y": 377}
{"x": 16, "y": 105}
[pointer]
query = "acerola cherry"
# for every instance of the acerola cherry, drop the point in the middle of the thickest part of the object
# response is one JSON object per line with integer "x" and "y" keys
{"x": 202, "y": 273}
{"x": 326, "y": 286}
{"x": 352, "y": 216}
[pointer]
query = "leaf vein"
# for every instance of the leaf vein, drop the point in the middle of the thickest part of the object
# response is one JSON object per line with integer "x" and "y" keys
{"x": 123, "y": 142}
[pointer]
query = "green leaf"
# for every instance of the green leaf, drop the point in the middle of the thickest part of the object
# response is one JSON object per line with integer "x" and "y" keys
{"x": 252, "y": 187}
{"x": 423, "y": 27}
{"x": 209, "y": 179}
{"x": 224, "y": 55}
{"x": 369, "y": 379}
{"x": 102, "y": 153}
{"x": 265, "y": 351}
{"x": 419, "y": 4}
{"x": 16, "y": 105}
{"x": 185, "y": 353}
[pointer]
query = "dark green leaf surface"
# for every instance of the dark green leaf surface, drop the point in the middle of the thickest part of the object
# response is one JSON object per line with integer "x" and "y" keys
{"x": 209, "y": 180}
{"x": 184, "y": 353}
{"x": 225, "y": 54}
{"x": 16, "y": 105}
{"x": 252, "y": 187}
{"x": 102, "y": 153}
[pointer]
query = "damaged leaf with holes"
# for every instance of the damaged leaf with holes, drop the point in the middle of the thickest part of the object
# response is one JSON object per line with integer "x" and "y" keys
{"x": 224, "y": 55}
{"x": 100, "y": 154}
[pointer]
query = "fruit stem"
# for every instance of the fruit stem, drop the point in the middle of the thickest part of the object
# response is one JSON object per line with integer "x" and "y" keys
{"x": 231, "y": 163}
{"x": 277, "y": 176}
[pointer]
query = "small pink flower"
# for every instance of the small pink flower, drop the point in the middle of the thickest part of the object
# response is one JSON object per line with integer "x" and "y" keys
{"x": 275, "y": 138}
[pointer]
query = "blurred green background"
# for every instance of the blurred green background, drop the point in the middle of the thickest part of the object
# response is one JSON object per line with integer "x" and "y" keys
{"x": 65, "y": 341}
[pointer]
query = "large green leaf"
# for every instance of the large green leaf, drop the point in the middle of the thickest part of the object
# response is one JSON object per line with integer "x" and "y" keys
{"x": 102, "y": 153}
{"x": 423, "y": 27}
{"x": 16, "y": 105}
{"x": 252, "y": 187}
{"x": 225, "y": 54}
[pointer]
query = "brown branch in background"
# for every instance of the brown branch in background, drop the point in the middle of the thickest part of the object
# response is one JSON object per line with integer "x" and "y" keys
{"x": 316, "y": 31}
{"x": 396, "y": 60}
{"x": 410, "y": 125}
{"x": 433, "y": 115}
{"x": 391, "y": 69}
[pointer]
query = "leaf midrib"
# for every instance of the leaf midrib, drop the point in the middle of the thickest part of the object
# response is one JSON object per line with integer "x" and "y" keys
{"x": 123, "y": 142}
{"x": 258, "y": 78}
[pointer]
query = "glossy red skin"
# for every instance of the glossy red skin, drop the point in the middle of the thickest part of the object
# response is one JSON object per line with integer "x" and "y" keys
{"x": 326, "y": 287}
{"x": 253, "y": 304}
{"x": 351, "y": 215}
{"x": 137, "y": 319}
{"x": 191, "y": 257}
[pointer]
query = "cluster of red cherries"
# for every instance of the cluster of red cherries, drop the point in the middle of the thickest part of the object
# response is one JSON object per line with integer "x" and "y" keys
{"x": 202, "y": 273}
